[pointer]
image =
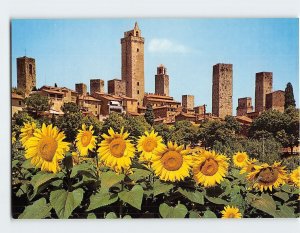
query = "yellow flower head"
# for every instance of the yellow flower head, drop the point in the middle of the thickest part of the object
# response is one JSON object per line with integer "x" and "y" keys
{"x": 266, "y": 176}
{"x": 116, "y": 151}
{"x": 85, "y": 140}
{"x": 249, "y": 167}
{"x": 171, "y": 162}
{"x": 46, "y": 148}
{"x": 240, "y": 159}
{"x": 13, "y": 138}
{"x": 295, "y": 176}
{"x": 231, "y": 212}
{"x": 27, "y": 132}
{"x": 147, "y": 144}
{"x": 210, "y": 168}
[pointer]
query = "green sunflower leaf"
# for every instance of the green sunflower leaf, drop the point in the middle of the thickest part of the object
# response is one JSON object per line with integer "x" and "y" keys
{"x": 139, "y": 174}
{"x": 65, "y": 202}
{"x": 282, "y": 195}
{"x": 209, "y": 214}
{"x": 285, "y": 212}
{"x": 110, "y": 178}
{"x": 179, "y": 211}
{"x": 40, "y": 181}
{"x": 134, "y": 197}
{"x": 194, "y": 214}
{"x": 216, "y": 200}
{"x": 159, "y": 187}
{"x": 38, "y": 210}
{"x": 195, "y": 196}
{"x": 111, "y": 215}
{"x": 83, "y": 168}
{"x": 264, "y": 203}
{"x": 91, "y": 216}
{"x": 101, "y": 199}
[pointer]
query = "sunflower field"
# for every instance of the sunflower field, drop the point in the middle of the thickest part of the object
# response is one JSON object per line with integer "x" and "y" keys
{"x": 115, "y": 175}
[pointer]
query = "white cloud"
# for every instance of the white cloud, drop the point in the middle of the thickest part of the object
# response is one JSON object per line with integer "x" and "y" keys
{"x": 166, "y": 45}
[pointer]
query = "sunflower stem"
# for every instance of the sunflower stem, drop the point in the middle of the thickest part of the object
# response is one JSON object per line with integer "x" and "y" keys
{"x": 121, "y": 202}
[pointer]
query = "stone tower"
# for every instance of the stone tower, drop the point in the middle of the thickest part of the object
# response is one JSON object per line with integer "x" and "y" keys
{"x": 162, "y": 81}
{"x": 26, "y": 76}
{"x": 263, "y": 86}
{"x": 244, "y": 106}
{"x": 116, "y": 87}
{"x": 96, "y": 85}
{"x": 133, "y": 63}
{"x": 222, "y": 90}
{"x": 81, "y": 88}
{"x": 188, "y": 102}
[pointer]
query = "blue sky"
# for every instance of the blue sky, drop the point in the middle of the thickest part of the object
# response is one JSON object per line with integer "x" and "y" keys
{"x": 72, "y": 51}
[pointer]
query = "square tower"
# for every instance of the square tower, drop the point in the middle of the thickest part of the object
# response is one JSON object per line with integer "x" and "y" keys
{"x": 26, "y": 76}
{"x": 222, "y": 90}
{"x": 263, "y": 86}
{"x": 81, "y": 88}
{"x": 188, "y": 102}
{"x": 162, "y": 81}
{"x": 116, "y": 87}
{"x": 96, "y": 85}
{"x": 133, "y": 64}
{"x": 244, "y": 106}
{"x": 275, "y": 101}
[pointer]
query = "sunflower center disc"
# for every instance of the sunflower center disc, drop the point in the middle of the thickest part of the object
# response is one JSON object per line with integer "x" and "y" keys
{"x": 172, "y": 160}
{"x": 209, "y": 167}
{"x": 240, "y": 158}
{"x": 47, "y": 148}
{"x": 86, "y": 138}
{"x": 268, "y": 176}
{"x": 231, "y": 215}
{"x": 149, "y": 145}
{"x": 117, "y": 147}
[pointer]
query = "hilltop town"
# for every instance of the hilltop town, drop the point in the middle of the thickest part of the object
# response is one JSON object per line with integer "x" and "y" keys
{"x": 127, "y": 95}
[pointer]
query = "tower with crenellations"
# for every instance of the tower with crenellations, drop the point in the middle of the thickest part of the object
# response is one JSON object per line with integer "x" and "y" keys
{"x": 133, "y": 63}
{"x": 162, "y": 81}
{"x": 26, "y": 74}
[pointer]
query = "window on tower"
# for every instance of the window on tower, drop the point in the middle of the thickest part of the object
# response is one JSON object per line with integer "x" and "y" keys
{"x": 137, "y": 50}
{"x": 138, "y": 92}
{"x": 138, "y": 83}
{"x": 137, "y": 34}
{"x": 30, "y": 69}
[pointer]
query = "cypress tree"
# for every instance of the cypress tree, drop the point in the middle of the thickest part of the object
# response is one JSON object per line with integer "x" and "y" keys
{"x": 149, "y": 115}
{"x": 289, "y": 96}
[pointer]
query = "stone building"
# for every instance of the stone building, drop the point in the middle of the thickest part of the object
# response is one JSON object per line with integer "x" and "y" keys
{"x": 133, "y": 64}
{"x": 161, "y": 100}
{"x": 222, "y": 90}
{"x": 200, "y": 110}
{"x": 162, "y": 81}
{"x": 17, "y": 103}
{"x": 263, "y": 86}
{"x": 188, "y": 103}
{"x": 26, "y": 74}
{"x": 116, "y": 87}
{"x": 275, "y": 101}
{"x": 89, "y": 105}
{"x": 81, "y": 88}
{"x": 96, "y": 85}
{"x": 244, "y": 106}
{"x": 109, "y": 103}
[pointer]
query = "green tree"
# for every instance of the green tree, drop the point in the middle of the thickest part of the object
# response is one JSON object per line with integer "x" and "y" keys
{"x": 164, "y": 130}
{"x": 37, "y": 103}
{"x": 136, "y": 126}
{"x": 115, "y": 121}
{"x": 289, "y": 100}
{"x": 149, "y": 115}
{"x": 71, "y": 121}
{"x": 185, "y": 132}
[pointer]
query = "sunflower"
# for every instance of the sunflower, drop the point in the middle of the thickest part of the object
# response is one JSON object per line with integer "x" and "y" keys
{"x": 231, "y": 212}
{"x": 46, "y": 148}
{"x": 266, "y": 176}
{"x": 85, "y": 140}
{"x": 115, "y": 151}
{"x": 249, "y": 167}
{"x": 240, "y": 159}
{"x": 27, "y": 131}
{"x": 147, "y": 144}
{"x": 295, "y": 176}
{"x": 210, "y": 168}
{"x": 171, "y": 162}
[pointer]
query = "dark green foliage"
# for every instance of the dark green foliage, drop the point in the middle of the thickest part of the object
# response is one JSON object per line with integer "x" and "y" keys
{"x": 184, "y": 132}
{"x": 91, "y": 120}
{"x": 164, "y": 131}
{"x": 136, "y": 126}
{"x": 71, "y": 121}
{"x": 149, "y": 115}
{"x": 36, "y": 104}
{"x": 289, "y": 100}
{"x": 19, "y": 119}
{"x": 115, "y": 121}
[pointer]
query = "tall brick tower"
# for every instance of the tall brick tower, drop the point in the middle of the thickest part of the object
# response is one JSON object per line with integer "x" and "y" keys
{"x": 222, "y": 90}
{"x": 96, "y": 85}
{"x": 26, "y": 76}
{"x": 188, "y": 102}
{"x": 133, "y": 63}
{"x": 244, "y": 106}
{"x": 162, "y": 81}
{"x": 263, "y": 86}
